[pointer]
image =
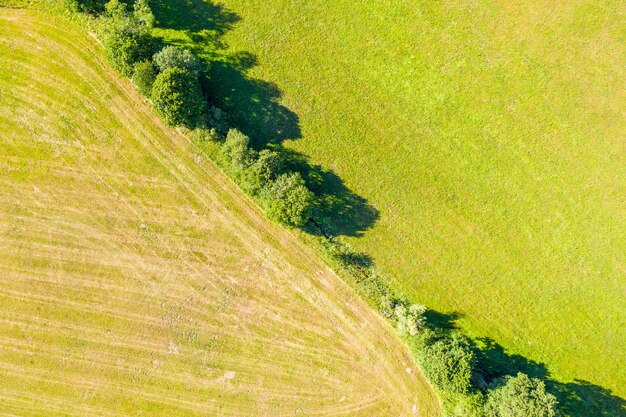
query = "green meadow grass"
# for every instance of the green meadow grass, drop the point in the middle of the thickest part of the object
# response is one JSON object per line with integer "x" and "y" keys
{"x": 490, "y": 138}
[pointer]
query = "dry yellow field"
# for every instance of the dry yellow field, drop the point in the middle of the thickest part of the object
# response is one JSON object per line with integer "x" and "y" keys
{"x": 135, "y": 279}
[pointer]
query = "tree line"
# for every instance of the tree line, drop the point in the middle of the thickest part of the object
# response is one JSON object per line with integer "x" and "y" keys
{"x": 169, "y": 77}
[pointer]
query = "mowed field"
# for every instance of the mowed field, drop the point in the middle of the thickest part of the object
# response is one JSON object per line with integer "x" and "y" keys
{"x": 490, "y": 136}
{"x": 135, "y": 278}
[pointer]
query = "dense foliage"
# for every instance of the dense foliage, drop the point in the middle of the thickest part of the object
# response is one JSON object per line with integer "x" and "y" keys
{"x": 174, "y": 57}
{"x": 288, "y": 200}
{"x": 127, "y": 39}
{"x": 449, "y": 363}
{"x": 144, "y": 75}
{"x": 409, "y": 319}
{"x": 520, "y": 396}
{"x": 177, "y": 97}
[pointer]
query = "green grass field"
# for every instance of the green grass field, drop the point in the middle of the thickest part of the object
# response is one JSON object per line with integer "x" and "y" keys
{"x": 487, "y": 138}
{"x": 136, "y": 279}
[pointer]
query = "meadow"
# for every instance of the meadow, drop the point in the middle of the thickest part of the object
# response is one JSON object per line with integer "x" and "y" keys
{"x": 478, "y": 149}
{"x": 138, "y": 280}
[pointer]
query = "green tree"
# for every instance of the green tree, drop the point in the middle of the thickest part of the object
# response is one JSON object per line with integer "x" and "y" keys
{"x": 409, "y": 319}
{"x": 144, "y": 75}
{"x": 116, "y": 10}
{"x": 520, "y": 396}
{"x": 449, "y": 363}
{"x": 288, "y": 200}
{"x": 265, "y": 169}
{"x": 177, "y": 97}
{"x": 143, "y": 14}
{"x": 236, "y": 153}
{"x": 172, "y": 57}
{"x": 126, "y": 44}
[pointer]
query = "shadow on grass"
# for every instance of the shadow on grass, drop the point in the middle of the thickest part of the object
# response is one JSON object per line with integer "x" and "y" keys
{"x": 254, "y": 108}
{"x": 576, "y": 399}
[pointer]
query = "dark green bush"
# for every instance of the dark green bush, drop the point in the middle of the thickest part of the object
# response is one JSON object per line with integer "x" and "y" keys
{"x": 144, "y": 75}
{"x": 520, "y": 396}
{"x": 126, "y": 44}
{"x": 265, "y": 169}
{"x": 216, "y": 121}
{"x": 177, "y": 97}
{"x": 449, "y": 363}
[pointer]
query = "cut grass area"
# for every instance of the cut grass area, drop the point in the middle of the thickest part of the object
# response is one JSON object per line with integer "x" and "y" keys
{"x": 137, "y": 279}
{"x": 488, "y": 136}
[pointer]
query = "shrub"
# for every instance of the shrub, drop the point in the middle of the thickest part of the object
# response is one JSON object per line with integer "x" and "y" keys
{"x": 409, "y": 319}
{"x": 449, "y": 363}
{"x": 201, "y": 134}
{"x": 288, "y": 200}
{"x": 143, "y": 14}
{"x": 217, "y": 120}
{"x": 144, "y": 75}
{"x": 265, "y": 169}
{"x": 126, "y": 44}
{"x": 116, "y": 10}
{"x": 177, "y": 97}
{"x": 235, "y": 152}
{"x": 520, "y": 396}
{"x": 174, "y": 57}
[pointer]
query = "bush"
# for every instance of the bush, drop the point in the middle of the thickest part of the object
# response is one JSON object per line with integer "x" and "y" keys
{"x": 520, "y": 396}
{"x": 116, "y": 10}
{"x": 409, "y": 319}
{"x": 177, "y": 97}
{"x": 143, "y": 14}
{"x": 288, "y": 200}
{"x": 449, "y": 363}
{"x": 174, "y": 57}
{"x": 144, "y": 75}
{"x": 217, "y": 120}
{"x": 236, "y": 154}
{"x": 265, "y": 169}
{"x": 126, "y": 44}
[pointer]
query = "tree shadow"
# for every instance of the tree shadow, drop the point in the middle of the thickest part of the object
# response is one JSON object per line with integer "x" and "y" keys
{"x": 193, "y": 16}
{"x": 254, "y": 107}
{"x": 442, "y": 321}
{"x": 252, "y": 104}
{"x": 576, "y": 399}
{"x": 338, "y": 210}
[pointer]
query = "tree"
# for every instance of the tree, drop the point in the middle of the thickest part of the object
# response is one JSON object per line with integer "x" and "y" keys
{"x": 449, "y": 363}
{"x": 265, "y": 169}
{"x": 116, "y": 10}
{"x": 235, "y": 152}
{"x": 177, "y": 97}
{"x": 409, "y": 320}
{"x": 126, "y": 44}
{"x": 173, "y": 57}
{"x": 143, "y": 14}
{"x": 288, "y": 200}
{"x": 144, "y": 75}
{"x": 520, "y": 396}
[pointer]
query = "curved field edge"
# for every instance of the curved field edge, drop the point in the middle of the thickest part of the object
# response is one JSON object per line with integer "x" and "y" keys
{"x": 137, "y": 278}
